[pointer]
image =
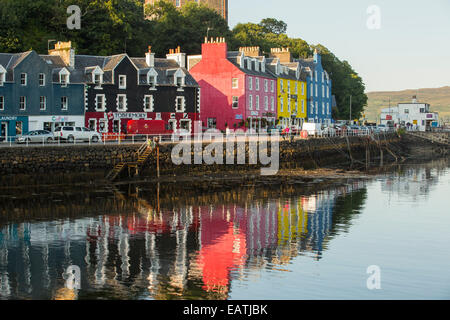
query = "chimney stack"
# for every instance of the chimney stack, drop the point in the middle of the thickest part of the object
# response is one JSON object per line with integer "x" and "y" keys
{"x": 65, "y": 51}
{"x": 284, "y": 54}
{"x": 150, "y": 57}
{"x": 251, "y": 51}
{"x": 177, "y": 56}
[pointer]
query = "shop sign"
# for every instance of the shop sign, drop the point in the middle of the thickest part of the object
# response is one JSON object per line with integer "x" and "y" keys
{"x": 130, "y": 115}
{"x": 5, "y": 118}
{"x": 60, "y": 119}
{"x": 255, "y": 113}
{"x": 239, "y": 117}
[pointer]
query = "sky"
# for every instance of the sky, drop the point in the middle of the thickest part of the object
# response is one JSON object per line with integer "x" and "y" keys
{"x": 409, "y": 50}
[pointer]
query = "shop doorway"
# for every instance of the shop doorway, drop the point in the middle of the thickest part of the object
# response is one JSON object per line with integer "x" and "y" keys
{"x": 4, "y": 131}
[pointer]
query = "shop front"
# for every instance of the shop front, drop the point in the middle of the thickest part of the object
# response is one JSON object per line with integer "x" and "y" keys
{"x": 115, "y": 123}
{"x": 12, "y": 127}
{"x": 50, "y": 123}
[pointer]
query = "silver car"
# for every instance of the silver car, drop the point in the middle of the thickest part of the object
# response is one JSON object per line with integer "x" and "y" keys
{"x": 40, "y": 136}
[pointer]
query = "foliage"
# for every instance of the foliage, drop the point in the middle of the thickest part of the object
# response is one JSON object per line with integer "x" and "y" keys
{"x": 116, "y": 26}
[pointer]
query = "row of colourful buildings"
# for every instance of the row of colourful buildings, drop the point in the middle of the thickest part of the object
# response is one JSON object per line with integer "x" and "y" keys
{"x": 223, "y": 89}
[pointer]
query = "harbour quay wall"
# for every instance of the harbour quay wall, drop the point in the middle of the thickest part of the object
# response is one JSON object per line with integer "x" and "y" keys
{"x": 82, "y": 163}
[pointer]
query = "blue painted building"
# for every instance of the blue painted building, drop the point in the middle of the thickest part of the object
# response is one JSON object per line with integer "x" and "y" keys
{"x": 319, "y": 97}
{"x": 38, "y": 92}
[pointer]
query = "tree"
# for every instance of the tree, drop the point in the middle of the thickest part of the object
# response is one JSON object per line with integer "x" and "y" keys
{"x": 275, "y": 26}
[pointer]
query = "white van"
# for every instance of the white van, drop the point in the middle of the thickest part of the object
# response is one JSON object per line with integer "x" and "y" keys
{"x": 312, "y": 128}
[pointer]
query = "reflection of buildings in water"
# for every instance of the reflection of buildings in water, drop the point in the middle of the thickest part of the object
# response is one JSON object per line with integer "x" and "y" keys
{"x": 414, "y": 182}
{"x": 163, "y": 254}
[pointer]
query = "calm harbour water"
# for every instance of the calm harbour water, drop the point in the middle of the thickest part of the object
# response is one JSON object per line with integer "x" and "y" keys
{"x": 172, "y": 242}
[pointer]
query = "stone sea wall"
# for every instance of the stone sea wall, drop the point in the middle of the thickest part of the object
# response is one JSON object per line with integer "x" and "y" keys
{"x": 69, "y": 164}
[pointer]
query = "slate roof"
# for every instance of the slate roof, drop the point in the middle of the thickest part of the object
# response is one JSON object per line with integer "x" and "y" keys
{"x": 10, "y": 60}
{"x": 165, "y": 68}
{"x": 234, "y": 58}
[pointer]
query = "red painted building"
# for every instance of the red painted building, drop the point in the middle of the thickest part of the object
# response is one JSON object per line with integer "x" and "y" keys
{"x": 236, "y": 89}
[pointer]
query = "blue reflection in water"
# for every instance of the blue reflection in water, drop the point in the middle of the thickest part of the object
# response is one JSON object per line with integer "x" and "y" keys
{"x": 188, "y": 249}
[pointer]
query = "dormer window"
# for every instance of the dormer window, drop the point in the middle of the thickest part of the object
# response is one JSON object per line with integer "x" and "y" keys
{"x": 64, "y": 80}
{"x": 98, "y": 79}
{"x": 64, "y": 77}
{"x": 152, "y": 78}
{"x": 179, "y": 81}
{"x": 256, "y": 66}
{"x": 152, "y": 81}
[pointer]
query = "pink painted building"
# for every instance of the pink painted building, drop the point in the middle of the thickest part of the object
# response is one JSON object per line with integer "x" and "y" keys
{"x": 236, "y": 89}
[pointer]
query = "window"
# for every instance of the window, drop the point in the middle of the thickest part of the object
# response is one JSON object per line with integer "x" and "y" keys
{"x": 257, "y": 102}
{"x": 148, "y": 103}
{"x": 42, "y": 103}
{"x": 266, "y": 103}
{"x": 272, "y": 89}
{"x": 2, "y": 103}
{"x": 23, "y": 79}
{"x": 121, "y": 102}
{"x": 235, "y": 83}
{"x": 323, "y": 107}
{"x": 64, "y": 103}
{"x": 179, "y": 81}
{"x": 312, "y": 108}
{"x": 406, "y": 110}
{"x": 323, "y": 76}
{"x": 281, "y": 104}
{"x": 235, "y": 104}
{"x": 315, "y": 75}
{"x": 100, "y": 102}
{"x": 179, "y": 104}
{"x": 328, "y": 92}
{"x": 316, "y": 90}
{"x": 41, "y": 79}
{"x": 98, "y": 79}
{"x": 185, "y": 125}
{"x": 250, "y": 83}
{"x": 152, "y": 81}
{"x": 312, "y": 89}
{"x": 122, "y": 82}
{"x": 328, "y": 108}
{"x": 303, "y": 106}
{"x": 250, "y": 102}
{"x": 296, "y": 88}
{"x": 303, "y": 89}
{"x": 289, "y": 86}
{"x": 19, "y": 127}
{"x": 296, "y": 107}
{"x": 2, "y": 78}
{"x": 178, "y": 3}
{"x": 23, "y": 103}
{"x": 317, "y": 108}
{"x": 323, "y": 91}
{"x": 282, "y": 85}
{"x": 266, "y": 85}
{"x": 257, "y": 84}
{"x": 64, "y": 80}
{"x": 272, "y": 104}
{"x": 212, "y": 123}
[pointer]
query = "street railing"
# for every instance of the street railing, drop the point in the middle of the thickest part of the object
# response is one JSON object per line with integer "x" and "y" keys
{"x": 118, "y": 139}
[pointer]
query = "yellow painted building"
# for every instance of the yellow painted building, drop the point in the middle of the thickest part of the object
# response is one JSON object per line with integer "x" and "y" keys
{"x": 291, "y": 88}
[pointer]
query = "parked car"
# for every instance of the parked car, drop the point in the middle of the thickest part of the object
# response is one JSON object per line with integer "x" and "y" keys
{"x": 71, "y": 134}
{"x": 36, "y": 136}
{"x": 312, "y": 128}
{"x": 274, "y": 129}
{"x": 329, "y": 131}
{"x": 383, "y": 128}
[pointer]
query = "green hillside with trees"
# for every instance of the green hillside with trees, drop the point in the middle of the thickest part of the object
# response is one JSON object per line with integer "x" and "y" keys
{"x": 438, "y": 98}
{"x": 116, "y": 26}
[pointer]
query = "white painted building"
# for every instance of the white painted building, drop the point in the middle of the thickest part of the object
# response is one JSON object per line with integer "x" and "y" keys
{"x": 414, "y": 115}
